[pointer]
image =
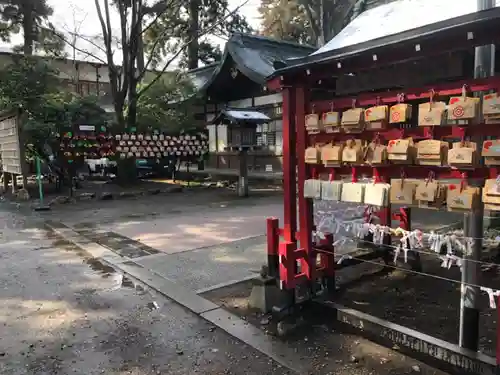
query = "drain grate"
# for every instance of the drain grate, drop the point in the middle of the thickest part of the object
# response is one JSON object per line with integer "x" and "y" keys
{"x": 56, "y": 224}
{"x": 119, "y": 244}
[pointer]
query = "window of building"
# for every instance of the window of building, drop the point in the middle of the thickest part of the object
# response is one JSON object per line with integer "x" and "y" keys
{"x": 93, "y": 88}
{"x": 104, "y": 89}
{"x": 266, "y": 134}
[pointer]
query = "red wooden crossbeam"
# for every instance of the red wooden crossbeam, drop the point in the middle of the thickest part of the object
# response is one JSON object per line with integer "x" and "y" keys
{"x": 391, "y": 97}
{"x": 417, "y": 133}
{"x": 411, "y": 171}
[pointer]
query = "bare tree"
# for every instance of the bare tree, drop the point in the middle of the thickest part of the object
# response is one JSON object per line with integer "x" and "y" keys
{"x": 78, "y": 18}
{"x": 135, "y": 18}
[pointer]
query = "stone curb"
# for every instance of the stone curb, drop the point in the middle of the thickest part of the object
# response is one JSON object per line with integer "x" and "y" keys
{"x": 105, "y": 196}
{"x": 189, "y": 299}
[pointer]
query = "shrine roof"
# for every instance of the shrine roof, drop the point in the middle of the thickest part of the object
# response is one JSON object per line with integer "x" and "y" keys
{"x": 393, "y": 24}
{"x": 236, "y": 115}
{"x": 252, "y": 55}
{"x": 200, "y": 76}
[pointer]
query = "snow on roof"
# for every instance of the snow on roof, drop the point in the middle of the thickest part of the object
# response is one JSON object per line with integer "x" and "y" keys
{"x": 246, "y": 115}
{"x": 397, "y": 17}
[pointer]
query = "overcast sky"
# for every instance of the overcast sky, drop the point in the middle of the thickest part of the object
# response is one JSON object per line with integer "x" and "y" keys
{"x": 81, "y": 14}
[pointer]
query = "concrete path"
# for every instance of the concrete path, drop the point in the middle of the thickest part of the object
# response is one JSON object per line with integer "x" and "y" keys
{"x": 64, "y": 312}
{"x": 205, "y": 228}
{"x": 199, "y": 239}
{"x": 328, "y": 352}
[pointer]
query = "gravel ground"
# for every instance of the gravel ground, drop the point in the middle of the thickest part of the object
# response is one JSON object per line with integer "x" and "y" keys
{"x": 327, "y": 348}
{"x": 95, "y": 212}
{"x": 63, "y": 313}
{"x": 427, "y": 304}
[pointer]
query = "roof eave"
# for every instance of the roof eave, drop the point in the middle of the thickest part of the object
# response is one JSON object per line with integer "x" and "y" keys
{"x": 488, "y": 17}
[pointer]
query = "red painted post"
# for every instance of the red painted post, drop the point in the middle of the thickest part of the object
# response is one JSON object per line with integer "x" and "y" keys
{"x": 305, "y": 205}
{"x": 289, "y": 165}
{"x": 498, "y": 336}
{"x": 273, "y": 239}
{"x": 287, "y": 265}
{"x": 405, "y": 218}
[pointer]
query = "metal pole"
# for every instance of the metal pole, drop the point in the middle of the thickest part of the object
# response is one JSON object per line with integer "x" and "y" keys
{"x": 469, "y": 310}
{"x": 484, "y": 66}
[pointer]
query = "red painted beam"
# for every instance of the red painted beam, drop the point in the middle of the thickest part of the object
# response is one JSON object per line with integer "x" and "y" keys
{"x": 417, "y": 133}
{"x": 391, "y": 97}
{"x": 274, "y": 84}
{"x": 414, "y": 171}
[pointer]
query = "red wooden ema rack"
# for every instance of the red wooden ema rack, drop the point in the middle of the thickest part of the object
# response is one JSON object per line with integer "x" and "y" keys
{"x": 410, "y": 94}
{"x": 417, "y": 133}
{"x": 382, "y": 173}
{"x": 289, "y": 250}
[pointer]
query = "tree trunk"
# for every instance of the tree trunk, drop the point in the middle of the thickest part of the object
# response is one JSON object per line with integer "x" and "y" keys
{"x": 193, "y": 47}
{"x": 28, "y": 28}
{"x": 120, "y": 118}
{"x": 132, "y": 107}
{"x": 126, "y": 171}
{"x": 322, "y": 24}
{"x": 140, "y": 49}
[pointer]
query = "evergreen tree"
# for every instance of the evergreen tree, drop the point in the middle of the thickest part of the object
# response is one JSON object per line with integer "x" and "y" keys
{"x": 285, "y": 20}
{"x": 31, "y": 18}
{"x": 313, "y": 22}
{"x": 183, "y": 23}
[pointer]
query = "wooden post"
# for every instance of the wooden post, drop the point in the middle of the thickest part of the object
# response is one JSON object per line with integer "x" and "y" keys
{"x": 13, "y": 177}
{"x": 5, "y": 181}
{"x": 243, "y": 173}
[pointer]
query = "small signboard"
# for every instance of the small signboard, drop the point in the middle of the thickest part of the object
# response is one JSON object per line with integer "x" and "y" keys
{"x": 86, "y": 128}
{"x": 10, "y": 145}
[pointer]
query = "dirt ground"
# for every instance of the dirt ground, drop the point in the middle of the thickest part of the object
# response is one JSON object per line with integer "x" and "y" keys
{"x": 430, "y": 305}
{"x": 426, "y": 304}
{"x": 330, "y": 349}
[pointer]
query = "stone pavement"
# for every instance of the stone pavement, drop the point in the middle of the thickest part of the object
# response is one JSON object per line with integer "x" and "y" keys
{"x": 328, "y": 353}
{"x": 63, "y": 312}
{"x": 196, "y": 240}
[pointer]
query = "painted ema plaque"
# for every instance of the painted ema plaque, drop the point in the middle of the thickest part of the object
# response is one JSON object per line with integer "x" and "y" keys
{"x": 10, "y": 151}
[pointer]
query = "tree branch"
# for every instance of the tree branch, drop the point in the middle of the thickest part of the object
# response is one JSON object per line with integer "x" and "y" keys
{"x": 312, "y": 19}
{"x": 165, "y": 6}
{"x": 183, "y": 46}
{"x": 108, "y": 20}
{"x": 86, "y": 39}
{"x": 114, "y": 76}
{"x": 81, "y": 50}
{"x": 125, "y": 48}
